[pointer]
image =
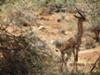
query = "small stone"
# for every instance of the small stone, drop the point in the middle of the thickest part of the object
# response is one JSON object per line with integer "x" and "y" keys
{"x": 41, "y": 28}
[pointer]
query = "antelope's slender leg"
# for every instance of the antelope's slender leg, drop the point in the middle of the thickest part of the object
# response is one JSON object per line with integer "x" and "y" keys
{"x": 62, "y": 62}
{"x": 97, "y": 36}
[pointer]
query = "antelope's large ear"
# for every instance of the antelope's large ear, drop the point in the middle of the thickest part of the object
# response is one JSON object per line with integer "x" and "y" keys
{"x": 76, "y": 16}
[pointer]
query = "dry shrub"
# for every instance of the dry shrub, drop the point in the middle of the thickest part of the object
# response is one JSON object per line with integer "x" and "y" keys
{"x": 18, "y": 56}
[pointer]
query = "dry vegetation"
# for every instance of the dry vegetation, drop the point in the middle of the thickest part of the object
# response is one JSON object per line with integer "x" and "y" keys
{"x": 29, "y": 30}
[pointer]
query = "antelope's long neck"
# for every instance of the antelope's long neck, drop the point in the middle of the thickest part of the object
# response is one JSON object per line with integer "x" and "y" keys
{"x": 80, "y": 28}
{"x": 79, "y": 32}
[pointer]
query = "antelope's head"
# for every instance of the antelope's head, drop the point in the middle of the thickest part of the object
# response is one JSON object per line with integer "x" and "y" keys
{"x": 81, "y": 16}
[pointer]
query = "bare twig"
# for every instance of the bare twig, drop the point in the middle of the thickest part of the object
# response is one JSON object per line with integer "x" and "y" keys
{"x": 95, "y": 64}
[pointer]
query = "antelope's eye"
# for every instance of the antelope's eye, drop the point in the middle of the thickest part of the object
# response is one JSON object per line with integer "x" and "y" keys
{"x": 57, "y": 50}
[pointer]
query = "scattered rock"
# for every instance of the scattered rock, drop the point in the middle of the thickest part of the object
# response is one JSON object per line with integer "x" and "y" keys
{"x": 42, "y": 28}
{"x": 61, "y": 31}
